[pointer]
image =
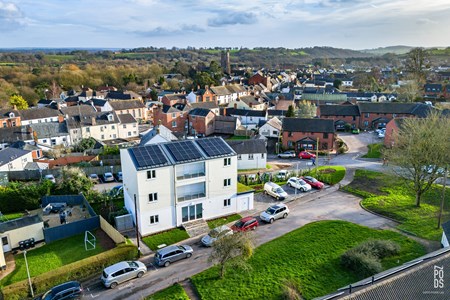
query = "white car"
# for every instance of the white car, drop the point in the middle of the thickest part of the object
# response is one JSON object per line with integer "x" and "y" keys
{"x": 282, "y": 175}
{"x": 287, "y": 154}
{"x": 108, "y": 177}
{"x": 216, "y": 234}
{"x": 298, "y": 183}
{"x": 279, "y": 211}
{"x": 50, "y": 177}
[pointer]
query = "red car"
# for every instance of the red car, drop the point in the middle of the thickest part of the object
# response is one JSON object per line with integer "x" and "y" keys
{"x": 313, "y": 182}
{"x": 306, "y": 155}
{"x": 244, "y": 224}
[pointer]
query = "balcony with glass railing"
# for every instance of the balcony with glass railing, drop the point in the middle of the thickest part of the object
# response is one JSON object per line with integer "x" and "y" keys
{"x": 188, "y": 171}
{"x": 191, "y": 191}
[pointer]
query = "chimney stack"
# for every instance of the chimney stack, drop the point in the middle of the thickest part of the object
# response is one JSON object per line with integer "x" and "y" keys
{"x": 93, "y": 121}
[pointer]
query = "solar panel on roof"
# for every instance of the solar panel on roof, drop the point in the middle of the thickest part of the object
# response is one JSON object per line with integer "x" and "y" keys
{"x": 214, "y": 147}
{"x": 183, "y": 151}
{"x": 149, "y": 156}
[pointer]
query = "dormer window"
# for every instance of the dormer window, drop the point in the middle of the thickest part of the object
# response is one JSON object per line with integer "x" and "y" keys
{"x": 110, "y": 117}
{"x": 12, "y": 115}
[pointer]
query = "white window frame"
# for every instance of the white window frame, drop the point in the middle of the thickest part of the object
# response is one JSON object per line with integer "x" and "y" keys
{"x": 154, "y": 219}
{"x": 152, "y": 197}
{"x": 227, "y": 202}
{"x": 227, "y": 182}
{"x": 151, "y": 174}
{"x": 227, "y": 162}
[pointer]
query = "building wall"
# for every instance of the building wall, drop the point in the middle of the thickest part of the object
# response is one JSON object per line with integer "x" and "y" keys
{"x": 18, "y": 164}
{"x": 259, "y": 161}
{"x": 137, "y": 113}
{"x": 167, "y": 119}
{"x": 10, "y": 122}
{"x": 372, "y": 116}
{"x": 32, "y": 231}
{"x": 389, "y": 136}
{"x": 58, "y": 140}
{"x": 300, "y": 135}
{"x": 202, "y": 125}
{"x": 37, "y": 121}
{"x": 347, "y": 119}
{"x": 268, "y": 131}
{"x": 128, "y": 130}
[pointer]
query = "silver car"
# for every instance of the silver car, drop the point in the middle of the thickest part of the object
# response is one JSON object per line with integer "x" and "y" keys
{"x": 216, "y": 234}
{"x": 287, "y": 154}
{"x": 167, "y": 255}
{"x": 275, "y": 212}
{"x": 121, "y": 272}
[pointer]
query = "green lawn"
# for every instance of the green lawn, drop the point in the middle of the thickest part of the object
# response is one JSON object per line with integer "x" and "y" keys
{"x": 11, "y": 216}
{"x": 374, "y": 151}
{"x": 243, "y": 188}
{"x": 310, "y": 256}
{"x": 49, "y": 257}
{"x": 239, "y": 137}
{"x": 169, "y": 237}
{"x": 223, "y": 220}
{"x": 388, "y": 195}
{"x": 175, "y": 292}
{"x": 328, "y": 174}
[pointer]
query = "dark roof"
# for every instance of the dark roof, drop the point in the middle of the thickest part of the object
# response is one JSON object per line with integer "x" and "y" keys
{"x": 126, "y": 119}
{"x": 201, "y": 112}
{"x": 23, "y": 146}
{"x": 131, "y": 104}
{"x": 99, "y": 102}
{"x": 276, "y": 112}
{"x": 339, "y": 110}
{"x": 19, "y": 223}
{"x": 100, "y": 118}
{"x": 245, "y": 112}
{"x": 9, "y": 154}
{"x": 248, "y": 146}
{"x": 418, "y": 109}
{"x": 38, "y": 113}
{"x": 6, "y": 112}
{"x": 208, "y": 105}
{"x": 76, "y": 110}
{"x": 118, "y": 95}
{"x": 13, "y": 134}
{"x": 50, "y": 129}
{"x": 308, "y": 125}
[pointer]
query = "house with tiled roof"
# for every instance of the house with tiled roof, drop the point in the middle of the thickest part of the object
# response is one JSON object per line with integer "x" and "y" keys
{"x": 49, "y": 135}
{"x": 227, "y": 93}
{"x": 13, "y": 159}
{"x": 433, "y": 90}
{"x": 308, "y": 134}
{"x": 248, "y": 118}
{"x": 201, "y": 122}
{"x": 158, "y": 134}
{"x": 10, "y": 135}
{"x": 260, "y": 78}
{"x": 201, "y": 95}
{"x": 36, "y": 152}
{"x": 172, "y": 99}
{"x": 211, "y": 105}
{"x": 346, "y": 113}
{"x": 123, "y": 95}
{"x": 247, "y": 102}
{"x": 9, "y": 118}
{"x": 39, "y": 115}
{"x": 251, "y": 154}
{"x": 134, "y": 107}
{"x": 173, "y": 117}
{"x": 271, "y": 128}
{"x": 101, "y": 104}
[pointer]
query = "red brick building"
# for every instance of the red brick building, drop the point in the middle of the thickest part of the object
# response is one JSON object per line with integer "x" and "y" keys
{"x": 392, "y": 128}
{"x": 201, "y": 121}
{"x": 172, "y": 99}
{"x": 300, "y": 134}
{"x": 173, "y": 117}
{"x": 258, "y": 78}
{"x": 9, "y": 118}
{"x": 340, "y": 114}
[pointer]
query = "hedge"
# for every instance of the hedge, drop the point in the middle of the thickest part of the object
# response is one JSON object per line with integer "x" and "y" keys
{"x": 75, "y": 271}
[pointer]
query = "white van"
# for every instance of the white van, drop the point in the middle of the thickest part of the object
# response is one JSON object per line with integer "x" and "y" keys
{"x": 274, "y": 190}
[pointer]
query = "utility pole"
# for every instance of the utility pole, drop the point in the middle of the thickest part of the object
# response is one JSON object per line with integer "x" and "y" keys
{"x": 137, "y": 228}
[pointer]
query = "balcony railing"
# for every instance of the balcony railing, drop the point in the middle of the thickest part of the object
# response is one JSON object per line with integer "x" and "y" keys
{"x": 191, "y": 197}
{"x": 191, "y": 175}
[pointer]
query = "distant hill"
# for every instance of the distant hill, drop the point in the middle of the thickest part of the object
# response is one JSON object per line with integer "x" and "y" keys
{"x": 391, "y": 49}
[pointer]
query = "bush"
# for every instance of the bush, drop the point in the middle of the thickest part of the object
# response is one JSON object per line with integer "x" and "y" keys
{"x": 75, "y": 271}
{"x": 379, "y": 248}
{"x": 360, "y": 263}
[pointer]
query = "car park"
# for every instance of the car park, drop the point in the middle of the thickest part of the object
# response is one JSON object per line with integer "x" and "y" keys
{"x": 306, "y": 155}
{"x": 282, "y": 175}
{"x": 167, "y": 255}
{"x": 244, "y": 224}
{"x": 108, "y": 177}
{"x": 94, "y": 178}
{"x": 116, "y": 191}
{"x": 313, "y": 182}
{"x": 50, "y": 177}
{"x": 216, "y": 234}
{"x": 287, "y": 154}
{"x": 274, "y": 190}
{"x": 275, "y": 212}
{"x": 121, "y": 272}
{"x": 299, "y": 184}
{"x": 67, "y": 290}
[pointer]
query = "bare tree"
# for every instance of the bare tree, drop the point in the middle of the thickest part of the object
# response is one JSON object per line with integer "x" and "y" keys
{"x": 415, "y": 62}
{"x": 232, "y": 251}
{"x": 306, "y": 110}
{"x": 412, "y": 90}
{"x": 421, "y": 149}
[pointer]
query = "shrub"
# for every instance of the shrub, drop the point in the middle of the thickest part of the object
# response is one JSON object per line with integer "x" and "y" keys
{"x": 360, "y": 263}
{"x": 75, "y": 271}
{"x": 379, "y": 248}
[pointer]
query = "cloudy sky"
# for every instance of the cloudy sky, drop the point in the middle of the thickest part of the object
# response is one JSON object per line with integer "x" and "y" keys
{"x": 355, "y": 24}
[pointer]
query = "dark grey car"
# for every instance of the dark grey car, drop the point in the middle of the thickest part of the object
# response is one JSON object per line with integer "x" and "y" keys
{"x": 166, "y": 256}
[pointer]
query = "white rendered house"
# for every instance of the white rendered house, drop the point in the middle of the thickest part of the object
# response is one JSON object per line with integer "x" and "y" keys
{"x": 181, "y": 181}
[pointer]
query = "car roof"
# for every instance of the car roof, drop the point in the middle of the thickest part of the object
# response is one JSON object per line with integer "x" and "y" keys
{"x": 222, "y": 228}
{"x": 246, "y": 219}
{"x": 116, "y": 267}
{"x": 168, "y": 249}
{"x": 278, "y": 205}
{"x": 64, "y": 286}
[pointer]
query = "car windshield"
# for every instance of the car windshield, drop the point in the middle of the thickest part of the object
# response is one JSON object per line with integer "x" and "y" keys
{"x": 239, "y": 224}
{"x": 93, "y": 175}
{"x": 279, "y": 190}
{"x": 133, "y": 264}
{"x": 270, "y": 211}
{"x": 301, "y": 182}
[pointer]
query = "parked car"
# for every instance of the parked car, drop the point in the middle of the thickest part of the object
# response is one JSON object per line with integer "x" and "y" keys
{"x": 298, "y": 183}
{"x": 119, "y": 176}
{"x": 313, "y": 182}
{"x": 216, "y": 234}
{"x": 67, "y": 290}
{"x": 121, "y": 272}
{"x": 116, "y": 191}
{"x": 275, "y": 212}
{"x": 431, "y": 168}
{"x": 94, "y": 178}
{"x": 167, "y": 255}
{"x": 108, "y": 177}
{"x": 244, "y": 224}
{"x": 287, "y": 154}
{"x": 282, "y": 175}
{"x": 381, "y": 132}
{"x": 306, "y": 155}
{"x": 274, "y": 190}
{"x": 355, "y": 130}
{"x": 50, "y": 177}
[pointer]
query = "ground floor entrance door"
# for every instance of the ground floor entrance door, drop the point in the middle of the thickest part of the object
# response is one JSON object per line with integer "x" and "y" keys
{"x": 5, "y": 243}
{"x": 192, "y": 212}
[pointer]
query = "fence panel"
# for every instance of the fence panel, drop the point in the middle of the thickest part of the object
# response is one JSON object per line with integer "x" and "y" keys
{"x": 67, "y": 230}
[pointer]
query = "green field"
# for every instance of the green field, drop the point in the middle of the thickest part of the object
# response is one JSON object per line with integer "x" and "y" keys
{"x": 223, "y": 221}
{"x": 309, "y": 256}
{"x": 388, "y": 195}
{"x": 169, "y": 237}
{"x": 175, "y": 292}
{"x": 374, "y": 151}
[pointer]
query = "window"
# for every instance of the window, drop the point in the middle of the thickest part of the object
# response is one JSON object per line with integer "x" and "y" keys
{"x": 250, "y": 156}
{"x": 75, "y": 131}
{"x": 152, "y": 197}
{"x": 275, "y": 132}
{"x": 354, "y": 118}
{"x": 134, "y": 125}
{"x": 4, "y": 124}
{"x": 290, "y": 133}
{"x": 367, "y": 115}
{"x": 239, "y": 157}
{"x": 174, "y": 115}
{"x": 44, "y": 141}
{"x": 103, "y": 137}
{"x": 154, "y": 219}
{"x": 227, "y": 182}
{"x": 325, "y": 135}
{"x": 53, "y": 141}
{"x": 124, "y": 126}
{"x": 174, "y": 123}
{"x": 151, "y": 174}
{"x": 13, "y": 123}
{"x": 88, "y": 129}
{"x": 227, "y": 202}
{"x": 227, "y": 161}
{"x": 113, "y": 127}
{"x": 101, "y": 128}
{"x": 129, "y": 133}
{"x": 262, "y": 155}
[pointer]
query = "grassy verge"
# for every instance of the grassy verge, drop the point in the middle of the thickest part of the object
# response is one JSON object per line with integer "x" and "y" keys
{"x": 388, "y": 195}
{"x": 328, "y": 174}
{"x": 374, "y": 151}
{"x": 309, "y": 256}
{"x": 11, "y": 216}
{"x": 239, "y": 137}
{"x": 241, "y": 188}
{"x": 50, "y": 257}
{"x": 167, "y": 237}
{"x": 175, "y": 292}
{"x": 223, "y": 220}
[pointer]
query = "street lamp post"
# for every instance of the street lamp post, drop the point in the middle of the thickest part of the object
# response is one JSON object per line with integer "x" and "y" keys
{"x": 28, "y": 272}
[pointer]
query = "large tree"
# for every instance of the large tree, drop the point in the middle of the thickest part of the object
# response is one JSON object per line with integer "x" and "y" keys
{"x": 306, "y": 110}
{"x": 416, "y": 62}
{"x": 420, "y": 148}
{"x": 74, "y": 181}
{"x": 18, "y": 102}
